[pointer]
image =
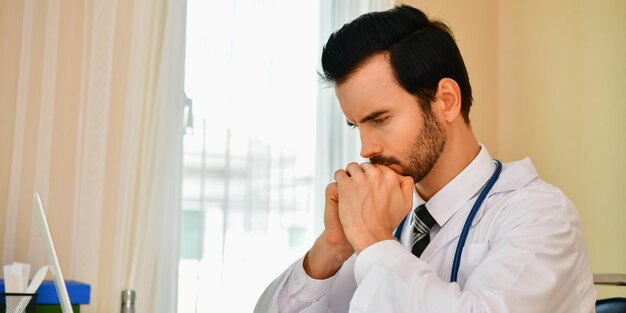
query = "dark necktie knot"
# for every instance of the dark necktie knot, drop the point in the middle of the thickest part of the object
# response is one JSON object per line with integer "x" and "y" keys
{"x": 421, "y": 213}
{"x": 422, "y": 223}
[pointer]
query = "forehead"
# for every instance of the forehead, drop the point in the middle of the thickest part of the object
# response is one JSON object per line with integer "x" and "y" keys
{"x": 372, "y": 87}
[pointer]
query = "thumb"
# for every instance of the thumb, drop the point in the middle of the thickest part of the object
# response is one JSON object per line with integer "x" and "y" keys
{"x": 332, "y": 193}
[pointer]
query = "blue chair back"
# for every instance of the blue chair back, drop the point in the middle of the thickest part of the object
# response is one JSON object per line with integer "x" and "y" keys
{"x": 611, "y": 305}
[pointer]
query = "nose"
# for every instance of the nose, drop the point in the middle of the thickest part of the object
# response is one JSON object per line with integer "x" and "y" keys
{"x": 370, "y": 146}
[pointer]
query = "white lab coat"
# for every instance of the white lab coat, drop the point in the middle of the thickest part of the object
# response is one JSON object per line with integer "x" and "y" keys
{"x": 524, "y": 253}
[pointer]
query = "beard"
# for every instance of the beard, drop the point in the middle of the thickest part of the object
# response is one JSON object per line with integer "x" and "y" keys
{"x": 424, "y": 153}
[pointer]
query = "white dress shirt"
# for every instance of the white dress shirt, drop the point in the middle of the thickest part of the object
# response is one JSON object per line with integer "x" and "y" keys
{"x": 524, "y": 253}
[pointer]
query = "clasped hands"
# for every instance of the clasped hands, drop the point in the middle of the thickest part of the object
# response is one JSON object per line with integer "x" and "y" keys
{"x": 363, "y": 206}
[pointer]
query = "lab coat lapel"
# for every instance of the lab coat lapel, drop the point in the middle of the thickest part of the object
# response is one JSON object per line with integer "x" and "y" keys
{"x": 450, "y": 231}
{"x": 523, "y": 171}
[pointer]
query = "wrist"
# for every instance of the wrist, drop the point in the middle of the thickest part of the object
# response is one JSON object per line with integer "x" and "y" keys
{"x": 326, "y": 257}
{"x": 362, "y": 241}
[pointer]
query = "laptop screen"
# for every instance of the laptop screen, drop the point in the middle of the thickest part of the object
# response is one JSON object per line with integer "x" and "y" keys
{"x": 53, "y": 261}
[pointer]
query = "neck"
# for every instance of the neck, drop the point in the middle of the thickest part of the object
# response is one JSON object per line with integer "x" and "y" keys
{"x": 459, "y": 152}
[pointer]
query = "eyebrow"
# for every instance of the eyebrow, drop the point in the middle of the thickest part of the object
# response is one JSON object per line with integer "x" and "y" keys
{"x": 370, "y": 116}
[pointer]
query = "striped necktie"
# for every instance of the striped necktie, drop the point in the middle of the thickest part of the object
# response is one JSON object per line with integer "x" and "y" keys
{"x": 422, "y": 223}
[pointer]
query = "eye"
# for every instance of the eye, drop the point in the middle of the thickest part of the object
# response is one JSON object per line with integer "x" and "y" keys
{"x": 379, "y": 121}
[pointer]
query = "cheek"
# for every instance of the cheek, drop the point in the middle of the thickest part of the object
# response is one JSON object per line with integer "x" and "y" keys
{"x": 402, "y": 143}
{"x": 404, "y": 137}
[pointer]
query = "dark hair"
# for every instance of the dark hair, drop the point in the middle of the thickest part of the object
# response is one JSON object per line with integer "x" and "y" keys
{"x": 422, "y": 52}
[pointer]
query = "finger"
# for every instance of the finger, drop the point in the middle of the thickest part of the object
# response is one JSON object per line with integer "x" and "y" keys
{"x": 340, "y": 175}
{"x": 354, "y": 169}
{"x": 331, "y": 191}
{"x": 406, "y": 183}
{"x": 386, "y": 170}
{"x": 366, "y": 166}
{"x": 371, "y": 170}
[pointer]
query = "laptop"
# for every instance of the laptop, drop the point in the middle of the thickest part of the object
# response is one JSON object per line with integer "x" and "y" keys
{"x": 53, "y": 260}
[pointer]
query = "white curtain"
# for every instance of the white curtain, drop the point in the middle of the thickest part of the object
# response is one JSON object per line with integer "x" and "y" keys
{"x": 97, "y": 128}
{"x": 151, "y": 153}
{"x": 264, "y": 139}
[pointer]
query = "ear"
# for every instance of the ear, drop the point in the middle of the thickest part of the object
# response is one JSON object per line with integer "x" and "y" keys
{"x": 449, "y": 99}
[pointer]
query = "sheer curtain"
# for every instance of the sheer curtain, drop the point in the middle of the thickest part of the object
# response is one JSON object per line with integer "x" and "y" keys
{"x": 253, "y": 150}
{"x": 94, "y": 122}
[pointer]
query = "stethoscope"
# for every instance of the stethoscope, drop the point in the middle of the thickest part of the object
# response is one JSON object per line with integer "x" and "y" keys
{"x": 468, "y": 222}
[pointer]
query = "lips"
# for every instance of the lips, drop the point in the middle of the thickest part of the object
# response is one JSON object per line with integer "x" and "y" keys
{"x": 394, "y": 166}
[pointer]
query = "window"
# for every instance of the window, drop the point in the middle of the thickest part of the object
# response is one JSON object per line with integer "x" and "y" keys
{"x": 247, "y": 207}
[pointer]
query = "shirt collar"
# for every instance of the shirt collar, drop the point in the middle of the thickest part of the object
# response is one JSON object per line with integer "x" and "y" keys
{"x": 460, "y": 189}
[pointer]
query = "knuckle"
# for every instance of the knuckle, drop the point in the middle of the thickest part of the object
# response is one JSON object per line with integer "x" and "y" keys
{"x": 408, "y": 179}
{"x": 338, "y": 173}
{"x": 374, "y": 172}
{"x": 388, "y": 172}
{"x": 384, "y": 171}
{"x": 330, "y": 187}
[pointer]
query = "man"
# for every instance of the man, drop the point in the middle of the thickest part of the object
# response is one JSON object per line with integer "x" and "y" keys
{"x": 401, "y": 81}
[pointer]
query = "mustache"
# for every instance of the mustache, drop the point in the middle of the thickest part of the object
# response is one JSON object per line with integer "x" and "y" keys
{"x": 384, "y": 160}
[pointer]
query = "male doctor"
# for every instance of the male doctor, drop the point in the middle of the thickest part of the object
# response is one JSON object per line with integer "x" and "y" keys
{"x": 393, "y": 225}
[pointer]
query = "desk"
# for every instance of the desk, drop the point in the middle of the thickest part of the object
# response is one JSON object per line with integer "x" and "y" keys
{"x": 609, "y": 279}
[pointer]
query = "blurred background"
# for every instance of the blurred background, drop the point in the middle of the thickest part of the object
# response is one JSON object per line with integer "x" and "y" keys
{"x": 182, "y": 147}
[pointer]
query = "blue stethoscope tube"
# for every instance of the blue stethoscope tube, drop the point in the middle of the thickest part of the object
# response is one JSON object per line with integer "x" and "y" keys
{"x": 468, "y": 222}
